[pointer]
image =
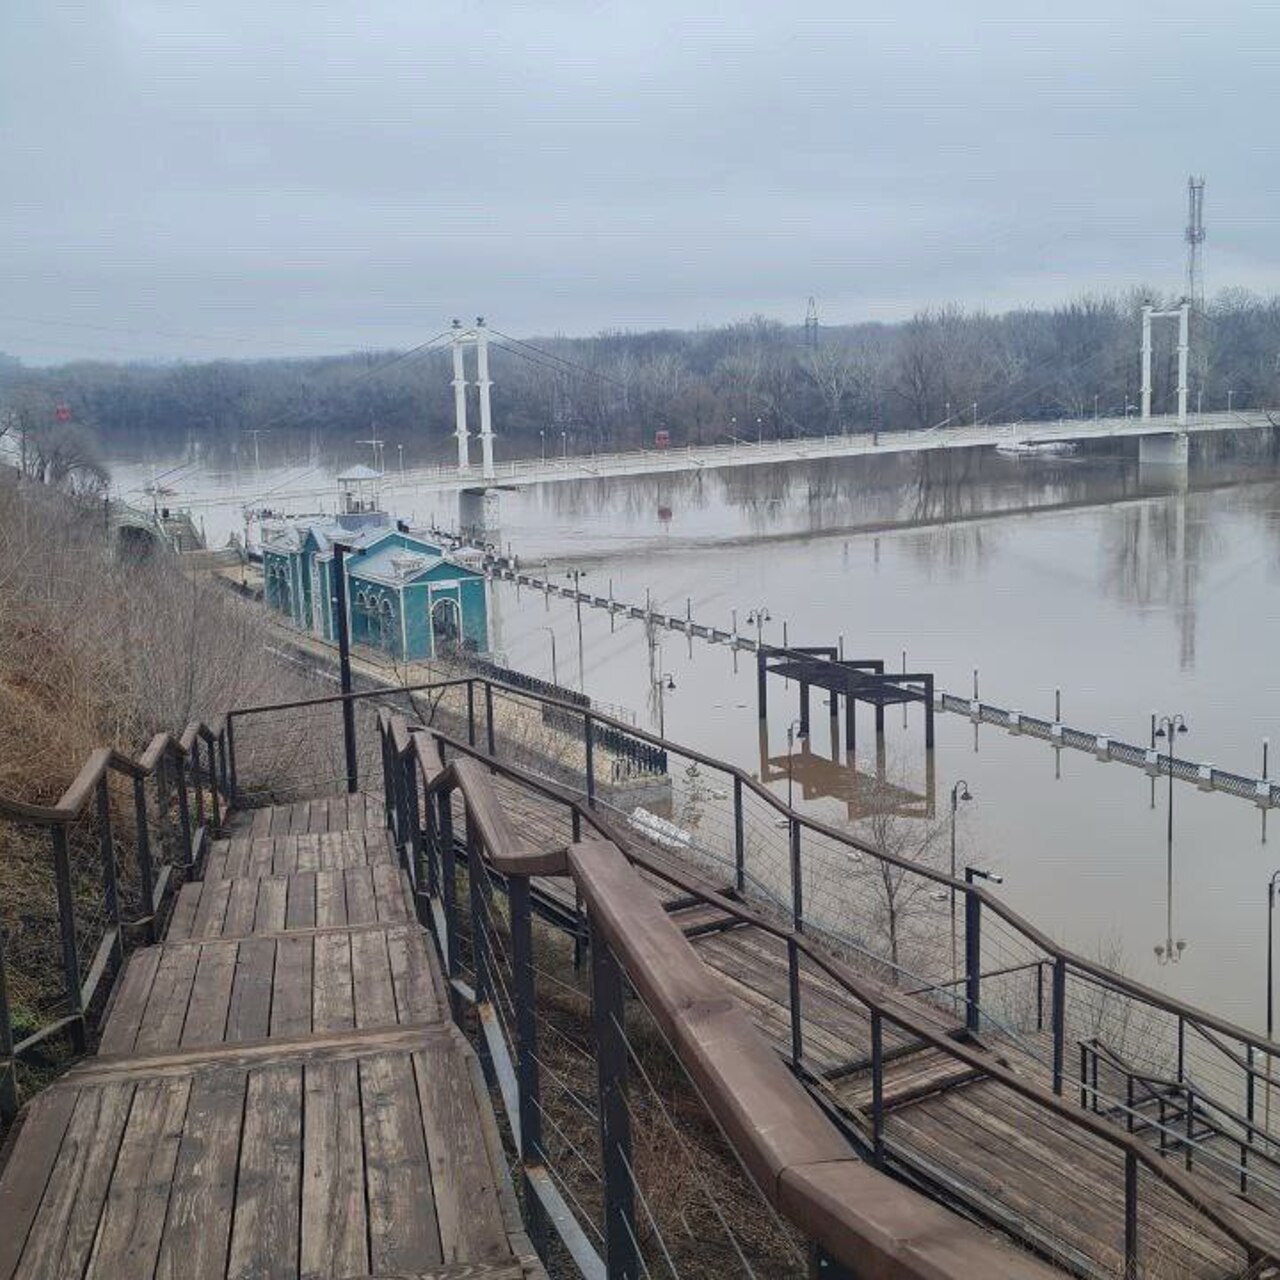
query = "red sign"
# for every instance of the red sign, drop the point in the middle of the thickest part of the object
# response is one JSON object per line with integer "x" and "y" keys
{"x": 62, "y": 412}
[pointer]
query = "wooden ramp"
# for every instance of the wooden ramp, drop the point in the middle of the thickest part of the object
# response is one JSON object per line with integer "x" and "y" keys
{"x": 279, "y": 1090}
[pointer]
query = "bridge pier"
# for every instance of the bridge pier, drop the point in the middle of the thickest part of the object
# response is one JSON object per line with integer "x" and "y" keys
{"x": 1164, "y": 458}
{"x": 479, "y": 513}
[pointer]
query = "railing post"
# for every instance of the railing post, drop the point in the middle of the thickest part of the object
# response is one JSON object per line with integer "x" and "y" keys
{"x": 1248, "y": 1114}
{"x": 449, "y": 897}
{"x": 8, "y": 1064}
{"x": 793, "y": 993}
{"x": 972, "y": 957}
{"x": 1182, "y": 1047}
{"x": 145, "y": 870}
{"x": 107, "y": 850}
{"x": 1040, "y": 995}
{"x": 230, "y": 756}
{"x": 1059, "y": 1020}
{"x": 797, "y": 878}
{"x": 607, "y": 1017}
{"x": 184, "y": 808}
{"x": 739, "y": 837}
{"x": 471, "y": 712}
{"x": 1130, "y": 1215}
{"x": 193, "y": 772}
{"x": 224, "y": 780}
{"x": 490, "y": 735}
{"x": 877, "y": 1087}
{"x": 531, "y": 1152}
{"x": 589, "y": 742}
{"x": 415, "y": 852}
{"x": 214, "y": 807}
{"x": 67, "y": 931}
{"x": 1084, "y": 1076}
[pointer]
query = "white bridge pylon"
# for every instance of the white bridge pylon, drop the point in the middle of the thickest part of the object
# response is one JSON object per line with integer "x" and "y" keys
{"x": 460, "y": 339}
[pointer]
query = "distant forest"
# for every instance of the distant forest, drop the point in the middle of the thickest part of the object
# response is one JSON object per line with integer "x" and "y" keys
{"x": 757, "y": 378}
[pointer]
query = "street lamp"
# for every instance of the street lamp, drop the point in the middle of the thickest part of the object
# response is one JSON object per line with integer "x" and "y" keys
{"x": 564, "y": 445}
{"x": 1229, "y": 396}
{"x": 662, "y": 685}
{"x": 400, "y": 450}
{"x": 977, "y": 873}
{"x": 1171, "y": 952}
{"x": 577, "y": 575}
{"x": 759, "y": 431}
{"x": 794, "y": 730}
{"x": 757, "y": 618}
{"x": 542, "y": 440}
{"x": 555, "y": 674}
{"x": 1095, "y": 408}
{"x": 960, "y": 791}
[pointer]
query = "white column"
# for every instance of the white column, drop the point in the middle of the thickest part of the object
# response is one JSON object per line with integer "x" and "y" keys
{"x": 1146, "y": 362}
{"x": 486, "y": 413}
{"x": 1184, "y": 345}
{"x": 460, "y": 398}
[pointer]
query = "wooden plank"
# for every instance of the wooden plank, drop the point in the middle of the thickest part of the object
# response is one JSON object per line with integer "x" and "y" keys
{"x": 166, "y": 1011}
{"x": 403, "y": 1232}
{"x": 215, "y": 865}
{"x": 413, "y": 976}
{"x": 307, "y": 857}
{"x": 201, "y": 1203}
{"x": 121, "y": 1029}
{"x": 63, "y": 1232}
{"x": 264, "y": 1237}
{"x": 249, "y": 1014}
{"x": 331, "y": 851}
{"x": 23, "y": 1182}
{"x": 375, "y": 1000}
{"x": 463, "y": 1180}
{"x": 212, "y": 910}
{"x": 391, "y": 892}
{"x": 291, "y": 1001}
{"x": 280, "y": 820}
{"x": 272, "y": 898}
{"x": 334, "y": 1009}
{"x": 318, "y": 819}
{"x": 261, "y": 859}
{"x": 362, "y": 906}
{"x": 300, "y": 818}
{"x": 261, "y": 825}
{"x": 242, "y": 904}
{"x": 210, "y": 995}
{"x": 185, "y": 906}
{"x": 300, "y": 912}
{"x": 238, "y": 857}
{"x": 331, "y": 899}
{"x": 128, "y": 1240}
{"x": 334, "y": 1224}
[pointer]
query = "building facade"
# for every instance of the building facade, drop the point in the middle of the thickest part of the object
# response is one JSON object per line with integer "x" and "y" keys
{"x": 404, "y": 594}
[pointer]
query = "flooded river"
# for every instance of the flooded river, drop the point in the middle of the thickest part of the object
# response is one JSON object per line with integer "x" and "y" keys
{"x": 1076, "y": 574}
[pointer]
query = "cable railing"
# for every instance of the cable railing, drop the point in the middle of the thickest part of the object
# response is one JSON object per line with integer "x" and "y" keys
{"x": 426, "y": 763}
{"x": 905, "y": 919}
{"x": 119, "y": 839}
{"x": 657, "y": 1133}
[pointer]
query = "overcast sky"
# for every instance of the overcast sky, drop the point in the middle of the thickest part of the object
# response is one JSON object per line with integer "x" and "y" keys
{"x": 188, "y": 178}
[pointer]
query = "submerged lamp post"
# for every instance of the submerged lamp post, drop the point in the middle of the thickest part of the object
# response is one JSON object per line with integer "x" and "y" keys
{"x": 1167, "y": 727}
{"x": 757, "y": 618}
{"x": 958, "y": 792}
{"x": 794, "y": 730}
{"x": 555, "y": 673}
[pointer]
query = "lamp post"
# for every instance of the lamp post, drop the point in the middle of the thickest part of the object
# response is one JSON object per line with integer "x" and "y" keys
{"x": 663, "y": 685}
{"x": 794, "y": 731}
{"x": 542, "y": 441}
{"x": 960, "y": 791}
{"x": 564, "y": 445}
{"x": 973, "y": 946}
{"x": 1230, "y": 394}
{"x": 757, "y": 618}
{"x": 1168, "y": 727}
{"x": 1095, "y": 408}
{"x": 400, "y": 451}
{"x": 577, "y": 575}
{"x": 555, "y": 673}
{"x": 340, "y": 551}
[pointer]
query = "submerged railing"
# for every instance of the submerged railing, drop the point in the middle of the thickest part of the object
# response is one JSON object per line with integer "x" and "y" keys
{"x": 102, "y": 897}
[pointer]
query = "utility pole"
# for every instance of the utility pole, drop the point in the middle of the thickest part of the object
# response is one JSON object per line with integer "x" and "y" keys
{"x": 340, "y": 552}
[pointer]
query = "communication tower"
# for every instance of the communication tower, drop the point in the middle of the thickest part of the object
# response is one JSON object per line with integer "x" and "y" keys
{"x": 1195, "y": 238}
{"x": 811, "y": 324}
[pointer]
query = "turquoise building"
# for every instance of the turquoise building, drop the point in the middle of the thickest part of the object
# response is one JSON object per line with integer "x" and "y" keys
{"x": 404, "y": 594}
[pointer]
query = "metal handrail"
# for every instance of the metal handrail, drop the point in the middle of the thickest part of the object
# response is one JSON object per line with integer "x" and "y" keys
{"x": 886, "y": 1006}
{"x": 800, "y": 1161}
{"x": 1120, "y": 982}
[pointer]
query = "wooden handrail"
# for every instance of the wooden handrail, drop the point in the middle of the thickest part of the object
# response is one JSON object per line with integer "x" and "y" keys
{"x": 875, "y": 998}
{"x": 81, "y": 790}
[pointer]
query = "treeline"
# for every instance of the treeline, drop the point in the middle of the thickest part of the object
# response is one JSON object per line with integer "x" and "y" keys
{"x": 754, "y": 379}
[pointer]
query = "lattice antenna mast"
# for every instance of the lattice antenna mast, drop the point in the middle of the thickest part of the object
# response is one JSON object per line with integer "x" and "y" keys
{"x": 1195, "y": 238}
{"x": 811, "y": 324}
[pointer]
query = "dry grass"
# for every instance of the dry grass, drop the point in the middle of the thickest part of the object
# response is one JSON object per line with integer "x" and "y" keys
{"x": 96, "y": 650}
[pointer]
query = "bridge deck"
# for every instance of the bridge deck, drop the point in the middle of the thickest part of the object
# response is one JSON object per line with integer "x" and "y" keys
{"x": 279, "y": 1090}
